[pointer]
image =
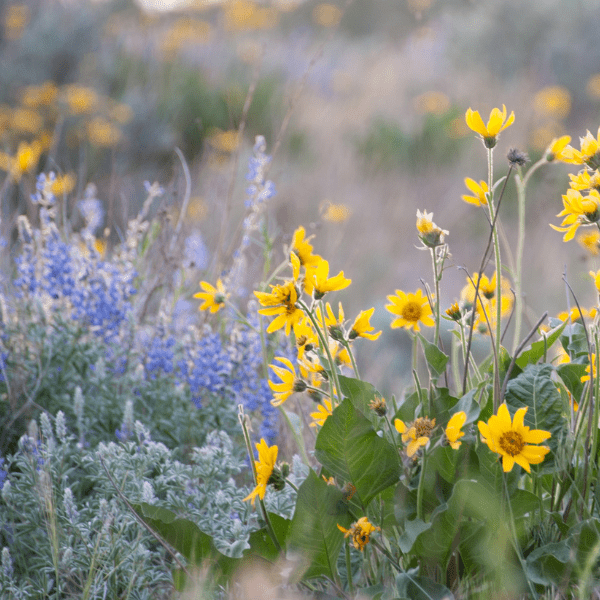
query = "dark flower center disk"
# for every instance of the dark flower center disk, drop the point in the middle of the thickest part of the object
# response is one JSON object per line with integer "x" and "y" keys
{"x": 411, "y": 311}
{"x": 512, "y": 443}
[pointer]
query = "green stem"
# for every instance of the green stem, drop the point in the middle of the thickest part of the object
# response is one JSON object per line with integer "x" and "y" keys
{"x": 349, "y": 567}
{"x": 348, "y": 347}
{"x": 515, "y": 540}
{"x": 324, "y": 339}
{"x": 421, "y": 485}
{"x": 498, "y": 261}
{"x": 436, "y": 278}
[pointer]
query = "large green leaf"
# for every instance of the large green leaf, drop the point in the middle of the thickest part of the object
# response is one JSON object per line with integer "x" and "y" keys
{"x": 538, "y": 349}
{"x": 314, "y": 533}
{"x": 185, "y": 536}
{"x": 351, "y": 449}
{"x": 360, "y": 394}
{"x": 535, "y": 389}
{"x": 549, "y": 564}
{"x": 571, "y": 374}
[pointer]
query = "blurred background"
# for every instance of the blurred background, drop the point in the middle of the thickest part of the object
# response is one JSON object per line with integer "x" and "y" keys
{"x": 362, "y": 102}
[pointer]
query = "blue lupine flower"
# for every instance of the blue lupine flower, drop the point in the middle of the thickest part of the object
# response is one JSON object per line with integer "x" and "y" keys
{"x": 3, "y": 473}
{"x": 160, "y": 356}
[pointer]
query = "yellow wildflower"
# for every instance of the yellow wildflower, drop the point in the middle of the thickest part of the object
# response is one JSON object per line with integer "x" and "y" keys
{"x": 429, "y": 233}
{"x": 554, "y": 151}
{"x": 591, "y": 371}
{"x": 410, "y": 310}
{"x": 289, "y": 382}
{"x": 578, "y": 210}
{"x": 360, "y": 532}
{"x": 214, "y": 298}
{"x": 453, "y": 429}
{"x": 589, "y": 154}
{"x": 478, "y": 189}
{"x": 264, "y": 469}
{"x": 590, "y": 241}
{"x": 553, "y": 101}
{"x": 496, "y": 123}
{"x": 281, "y": 302}
{"x": 323, "y": 411}
{"x": 417, "y": 434}
{"x": 362, "y": 326}
{"x": 512, "y": 439}
{"x": 322, "y": 283}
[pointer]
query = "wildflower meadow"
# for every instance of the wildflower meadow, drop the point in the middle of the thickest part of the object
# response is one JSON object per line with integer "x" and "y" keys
{"x": 195, "y": 407}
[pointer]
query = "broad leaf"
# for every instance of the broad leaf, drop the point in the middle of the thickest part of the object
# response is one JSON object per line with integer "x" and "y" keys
{"x": 539, "y": 348}
{"x": 360, "y": 394}
{"x": 421, "y": 588}
{"x": 435, "y": 358}
{"x": 184, "y": 535}
{"x": 261, "y": 542}
{"x": 351, "y": 449}
{"x": 535, "y": 389}
{"x": 314, "y": 534}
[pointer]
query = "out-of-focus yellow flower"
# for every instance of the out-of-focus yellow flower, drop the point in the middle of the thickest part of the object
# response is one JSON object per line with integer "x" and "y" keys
{"x": 336, "y": 213}
{"x": 457, "y": 128}
{"x": 554, "y": 151}
{"x": 63, "y": 184}
{"x": 432, "y": 103}
{"x": 243, "y": 15}
{"x": 410, "y": 309}
{"x": 553, "y": 101}
{"x": 197, "y": 209}
{"x": 362, "y": 326}
{"x": 487, "y": 302}
{"x": 453, "y": 429}
{"x": 224, "y": 141}
{"x": 454, "y": 312}
{"x": 323, "y": 411}
{"x": 326, "y": 15}
{"x": 578, "y": 210}
{"x": 562, "y": 356}
{"x": 121, "y": 113}
{"x": 16, "y": 19}
{"x": 479, "y": 191}
{"x": 590, "y": 241}
{"x": 595, "y": 275}
{"x": 574, "y": 314}
{"x": 497, "y": 122}
{"x": 306, "y": 337}
{"x": 589, "y": 371}
{"x": 80, "y": 99}
{"x": 418, "y": 6}
{"x": 214, "y": 298}
{"x": 186, "y": 31}
{"x": 593, "y": 87}
{"x": 34, "y": 96}
{"x": 25, "y": 160}
{"x": 26, "y": 120}
{"x": 102, "y": 132}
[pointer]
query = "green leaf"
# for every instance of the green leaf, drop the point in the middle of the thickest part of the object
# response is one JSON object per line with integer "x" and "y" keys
{"x": 435, "y": 358}
{"x": 406, "y": 411}
{"x": 261, "y": 543}
{"x": 361, "y": 394}
{"x": 350, "y": 448}
{"x": 184, "y": 535}
{"x": 535, "y": 389}
{"x": 421, "y": 588}
{"x": 468, "y": 405}
{"x": 571, "y": 374}
{"x": 574, "y": 340}
{"x": 412, "y": 530}
{"x": 537, "y": 349}
{"x": 313, "y": 531}
{"x": 548, "y": 565}
{"x": 523, "y": 502}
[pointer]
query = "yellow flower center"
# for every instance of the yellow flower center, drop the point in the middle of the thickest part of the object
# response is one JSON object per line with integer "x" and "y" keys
{"x": 512, "y": 443}
{"x": 412, "y": 311}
